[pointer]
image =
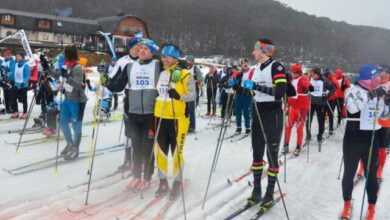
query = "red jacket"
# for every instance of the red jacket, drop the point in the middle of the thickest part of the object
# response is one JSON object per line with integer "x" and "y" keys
{"x": 333, "y": 80}
{"x": 34, "y": 72}
{"x": 344, "y": 84}
{"x": 301, "y": 100}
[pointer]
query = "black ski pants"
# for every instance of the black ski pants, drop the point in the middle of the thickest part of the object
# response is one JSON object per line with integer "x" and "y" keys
{"x": 139, "y": 128}
{"x": 272, "y": 122}
{"x": 356, "y": 146}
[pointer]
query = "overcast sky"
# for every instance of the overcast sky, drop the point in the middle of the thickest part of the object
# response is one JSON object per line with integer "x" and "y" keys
{"x": 360, "y": 12}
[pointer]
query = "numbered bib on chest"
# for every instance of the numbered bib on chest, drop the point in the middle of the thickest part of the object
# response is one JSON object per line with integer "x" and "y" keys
{"x": 318, "y": 86}
{"x": 68, "y": 87}
{"x": 19, "y": 74}
{"x": 263, "y": 78}
{"x": 295, "y": 84}
{"x": 367, "y": 115}
{"x": 162, "y": 86}
{"x": 142, "y": 76}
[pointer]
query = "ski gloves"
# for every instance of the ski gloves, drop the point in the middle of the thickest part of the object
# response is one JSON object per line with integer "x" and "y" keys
{"x": 379, "y": 92}
{"x": 103, "y": 79}
{"x": 173, "y": 94}
{"x": 232, "y": 82}
{"x": 249, "y": 84}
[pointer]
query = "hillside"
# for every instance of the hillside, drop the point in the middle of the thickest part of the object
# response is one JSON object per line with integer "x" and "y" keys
{"x": 229, "y": 28}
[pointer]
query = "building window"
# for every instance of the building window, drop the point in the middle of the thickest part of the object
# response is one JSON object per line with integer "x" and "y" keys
{"x": 59, "y": 23}
{"x": 7, "y": 19}
{"x": 44, "y": 24}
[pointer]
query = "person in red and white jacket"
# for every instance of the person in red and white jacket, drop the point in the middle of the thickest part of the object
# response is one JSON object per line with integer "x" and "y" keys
{"x": 298, "y": 107}
{"x": 344, "y": 84}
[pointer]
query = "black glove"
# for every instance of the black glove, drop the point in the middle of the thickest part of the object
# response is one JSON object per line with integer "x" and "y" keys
{"x": 44, "y": 64}
{"x": 343, "y": 86}
{"x": 311, "y": 88}
{"x": 379, "y": 92}
{"x": 290, "y": 90}
{"x": 21, "y": 85}
{"x": 288, "y": 77}
{"x": 64, "y": 73}
{"x": 324, "y": 96}
{"x": 173, "y": 94}
{"x": 387, "y": 99}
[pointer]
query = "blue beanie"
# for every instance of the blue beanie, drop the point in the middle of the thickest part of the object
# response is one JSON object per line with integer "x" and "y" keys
{"x": 170, "y": 51}
{"x": 368, "y": 71}
{"x": 114, "y": 59}
{"x": 151, "y": 45}
{"x": 133, "y": 41}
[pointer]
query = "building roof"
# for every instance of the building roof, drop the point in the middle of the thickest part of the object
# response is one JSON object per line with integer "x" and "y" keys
{"x": 67, "y": 25}
{"x": 64, "y": 25}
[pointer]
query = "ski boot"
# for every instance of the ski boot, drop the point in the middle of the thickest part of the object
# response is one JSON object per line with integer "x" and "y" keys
{"x": 67, "y": 148}
{"x": 255, "y": 197}
{"x": 370, "y": 212}
{"x": 72, "y": 154}
{"x": 15, "y": 115}
{"x": 163, "y": 188}
{"x": 207, "y": 114}
{"x": 346, "y": 214}
{"x": 143, "y": 185}
{"x": 308, "y": 137}
{"x": 175, "y": 190}
{"x": 238, "y": 131}
{"x": 267, "y": 203}
{"x": 134, "y": 182}
{"x": 247, "y": 131}
{"x": 23, "y": 116}
{"x": 320, "y": 139}
{"x": 285, "y": 149}
{"x": 297, "y": 151}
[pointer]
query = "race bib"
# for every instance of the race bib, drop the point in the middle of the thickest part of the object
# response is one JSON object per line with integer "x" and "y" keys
{"x": 68, "y": 87}
{"x": 370, "y": 113}
{"x": 318, "y": 86}
{"x": 142, "y": 76}
{"x": 163, "y": 86}
{"x": 19, "y": 74}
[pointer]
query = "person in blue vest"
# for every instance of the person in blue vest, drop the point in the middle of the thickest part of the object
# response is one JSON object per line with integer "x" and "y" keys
{"x": 20, "y": 78}
{"x": 9, "y": 67}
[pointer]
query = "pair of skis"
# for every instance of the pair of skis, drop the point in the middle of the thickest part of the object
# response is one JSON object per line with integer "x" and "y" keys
{"x": 51, "y": 162}
{"x": 248, "y": 206}
{"x": 163, "y": 210}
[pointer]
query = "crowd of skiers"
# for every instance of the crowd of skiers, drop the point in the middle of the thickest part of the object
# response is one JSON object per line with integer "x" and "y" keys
{"x": 161, "y": 92}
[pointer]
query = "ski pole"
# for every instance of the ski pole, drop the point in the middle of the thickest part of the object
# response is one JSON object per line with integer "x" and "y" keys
{"x": 125, "y": 159}
{"x": 58, "y": 131}
{"x": 214, "y": 159}
{"x": 26, "y": 120}
{"x": 94, "y": 126}
{"x": 269, "y": 154}
{"x": 230, "y": 109}
{"x": 94, "y": 147}
{"x": 178, "y": 159}
{"x": 308, "y": 130}
{"x": 370, "y": 156}
{"x": 341, "y": 165}
{"x": 285, "y": 118}
{"x": 120, "y": 131}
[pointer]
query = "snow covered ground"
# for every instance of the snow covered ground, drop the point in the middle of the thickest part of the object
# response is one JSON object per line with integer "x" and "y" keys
{"x": 313, "y": 190}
